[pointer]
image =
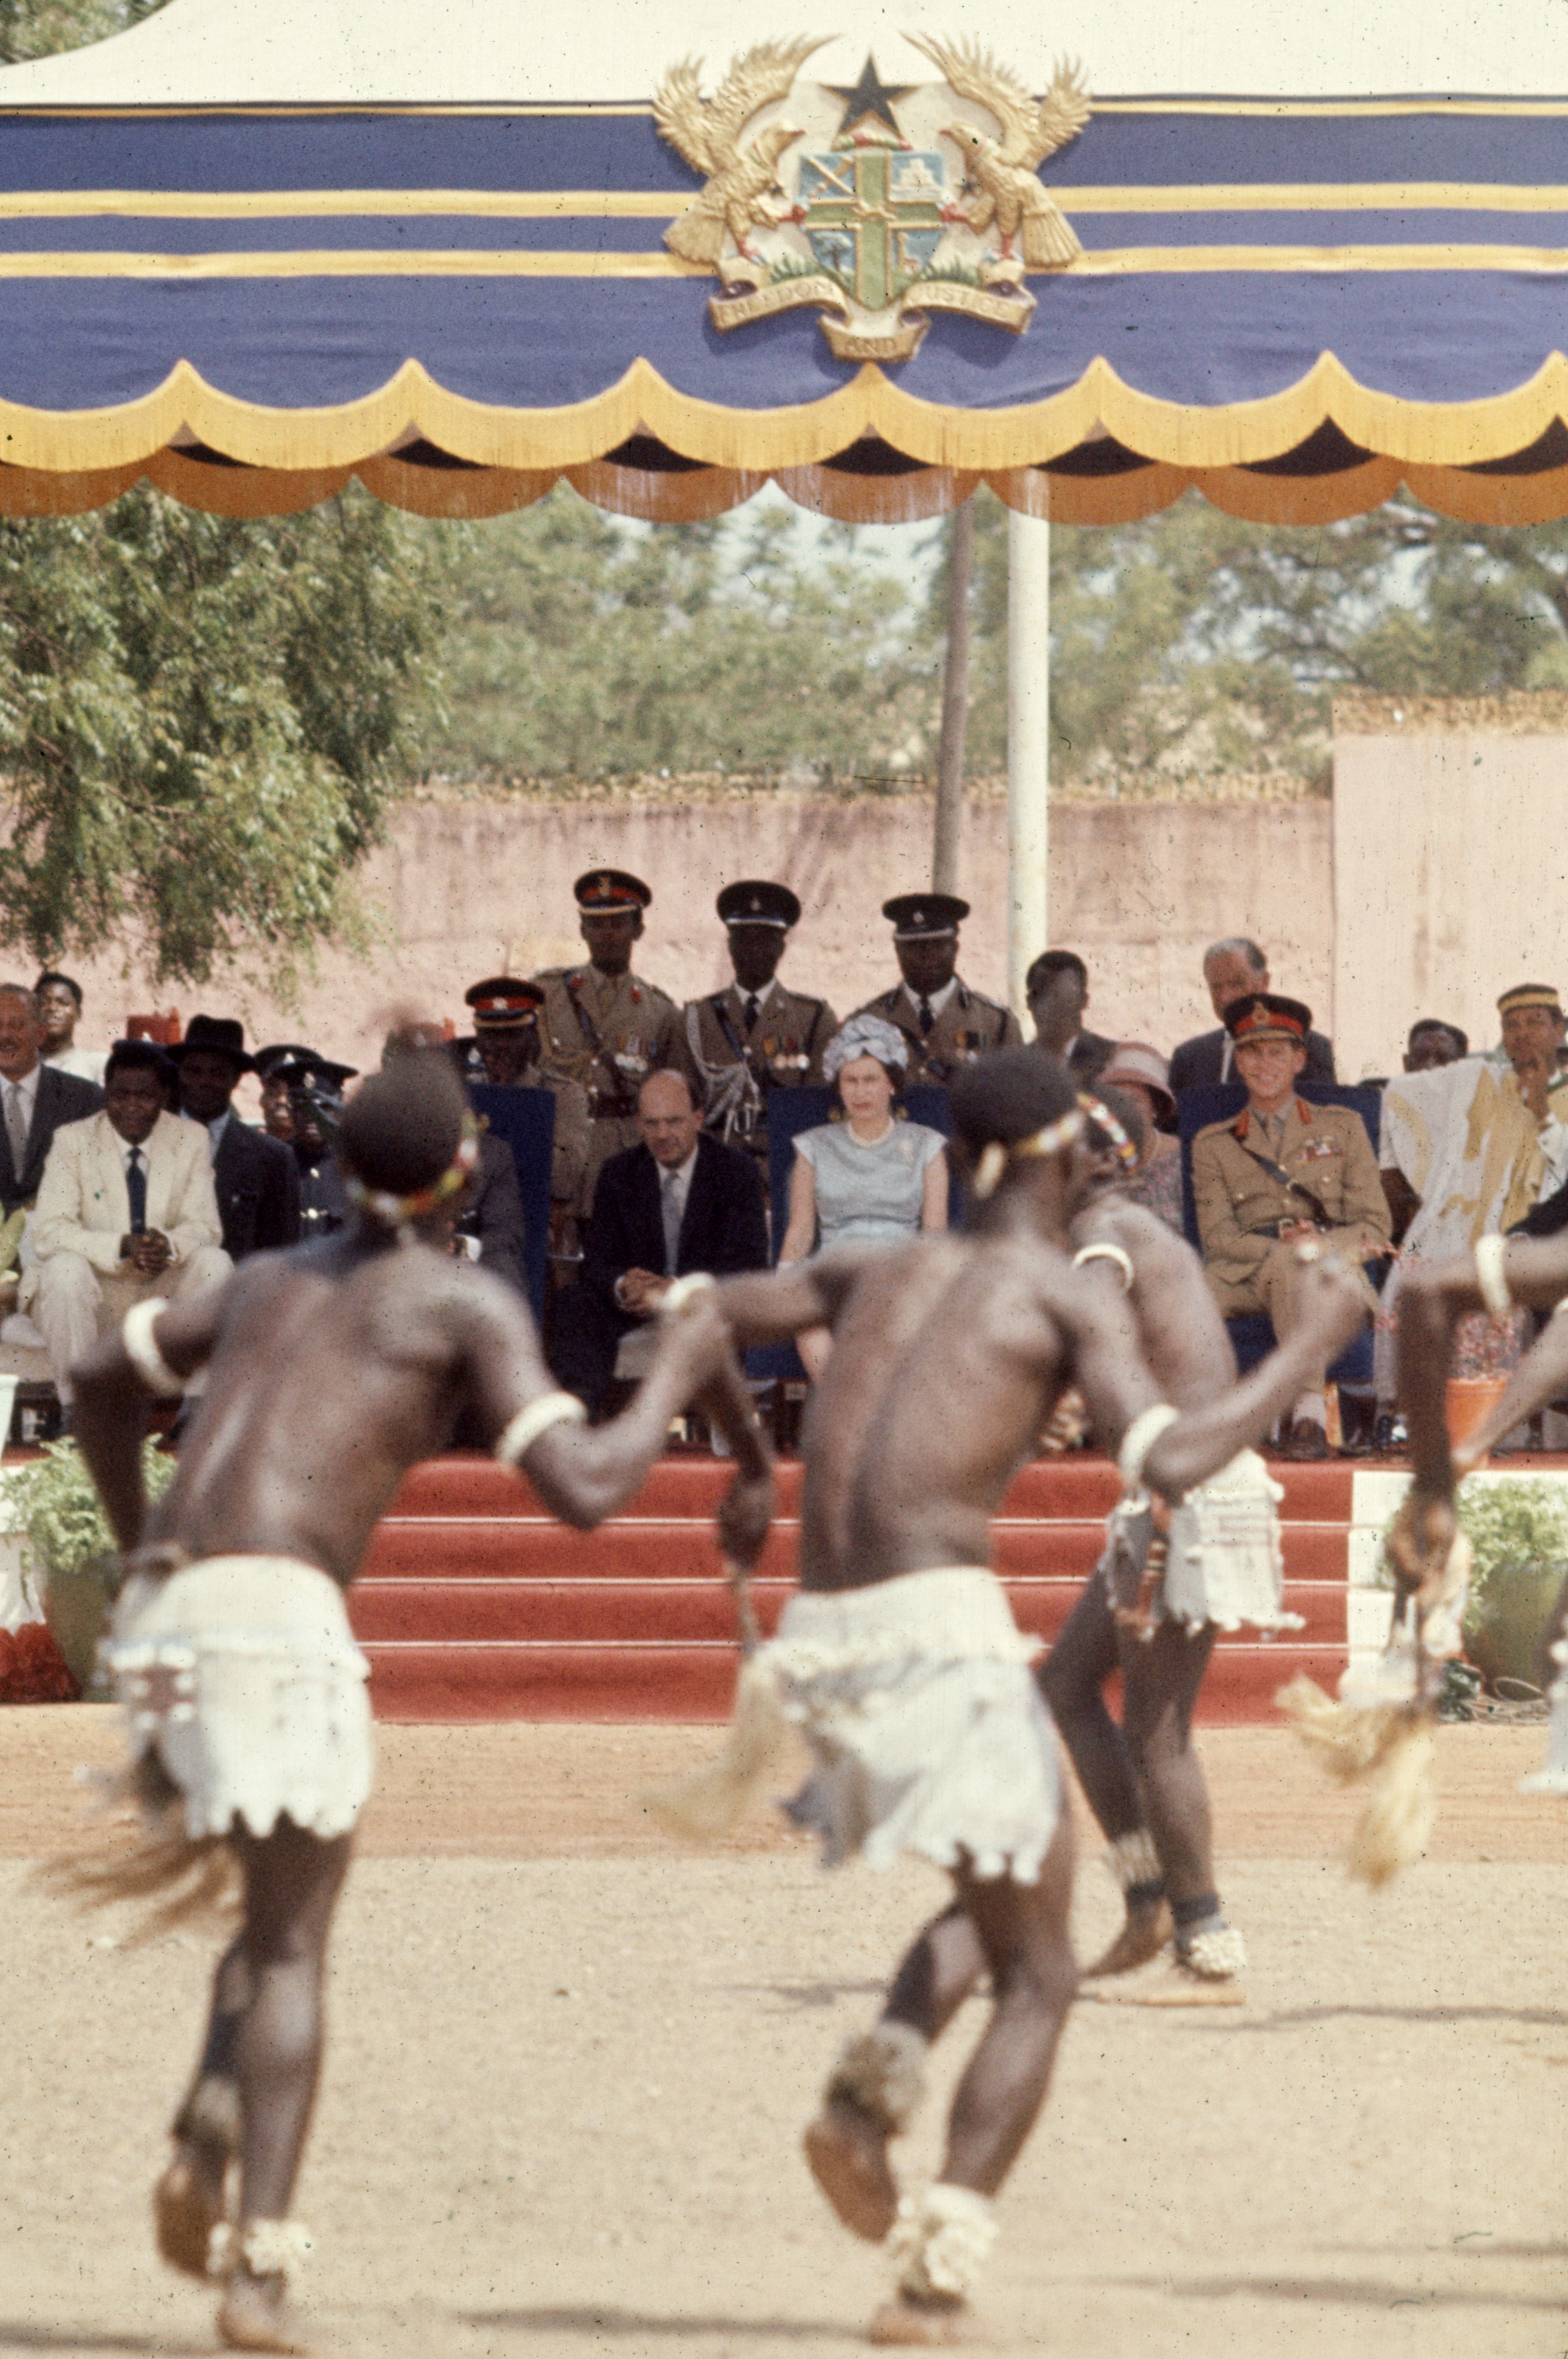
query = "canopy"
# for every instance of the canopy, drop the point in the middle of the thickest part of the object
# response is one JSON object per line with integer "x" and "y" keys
{"x": 1294, "y": 304}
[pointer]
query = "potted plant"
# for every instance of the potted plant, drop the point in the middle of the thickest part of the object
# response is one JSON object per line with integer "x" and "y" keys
{"x": 1519, "y": 1531}
{"x": 72, "y": 1549}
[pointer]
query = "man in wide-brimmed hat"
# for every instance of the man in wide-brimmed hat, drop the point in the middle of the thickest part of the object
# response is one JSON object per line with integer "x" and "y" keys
{"x": 256, "y": 1177}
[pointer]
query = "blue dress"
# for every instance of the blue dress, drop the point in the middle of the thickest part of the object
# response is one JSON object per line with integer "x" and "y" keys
{"x": 868, "y": 1195}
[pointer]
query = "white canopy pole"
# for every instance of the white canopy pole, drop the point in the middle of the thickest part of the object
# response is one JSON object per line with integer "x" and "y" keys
{"x": 1028, "y": 745}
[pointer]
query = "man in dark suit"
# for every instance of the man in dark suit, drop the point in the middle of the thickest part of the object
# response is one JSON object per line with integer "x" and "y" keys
{"x": 1057, "y": 990}
{"x": 678, "y": 1202}
{"x": 1232, "y": 970}
{"x": 35, "y": 1098}
{"x": 255, "y": 1177}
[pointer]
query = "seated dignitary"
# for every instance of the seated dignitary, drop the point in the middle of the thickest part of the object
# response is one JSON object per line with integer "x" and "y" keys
{"x": 256, "y": 1177}
{"x": 34, "y": 1098}
{"x": 315, "y": 1088}
{"x": 945, "y": 1023}
{"x": 59, "y": 1009}
{"x": 1280, "y": 1172}
{"x": 604, "y": 1025}
{"x": 1232, "y": 970}
{"x": 1431, "y": 1043}
{"x": 754, "y": 1037}
{"x": 127, "y": 1209}
{"x": 506, "y": 1043}
{"x": 677, "y": 1202}
{"x": 1057, "y": 988}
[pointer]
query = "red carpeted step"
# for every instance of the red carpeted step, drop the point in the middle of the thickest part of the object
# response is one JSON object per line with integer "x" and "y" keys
{"x": 647, "y": 1681}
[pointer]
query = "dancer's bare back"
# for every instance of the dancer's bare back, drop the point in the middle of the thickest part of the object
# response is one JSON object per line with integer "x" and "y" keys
{"x": 1184, "y": 1338}
{"x": 330, "y": 1371}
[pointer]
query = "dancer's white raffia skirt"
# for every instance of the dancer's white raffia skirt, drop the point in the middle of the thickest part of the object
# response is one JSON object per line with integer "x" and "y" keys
{"x": 243, "y": 1674}
{"x": 927, "y": 1730}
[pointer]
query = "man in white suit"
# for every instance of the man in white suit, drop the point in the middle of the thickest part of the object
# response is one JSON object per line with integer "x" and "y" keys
{"x": 126, "y": 1208}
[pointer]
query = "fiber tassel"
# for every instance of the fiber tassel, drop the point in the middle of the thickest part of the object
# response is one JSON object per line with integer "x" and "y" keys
{"x": 1390, "y": 1749}
{"x": 709, "y": 1803}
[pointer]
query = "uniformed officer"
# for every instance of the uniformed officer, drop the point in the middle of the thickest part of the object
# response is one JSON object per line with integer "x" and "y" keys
{"x": 506, "y": 1044}
{"x": 604, "y": 1025}
{"x": 1280, "y": 1172}
{"x": 754, "y": 1037}
{"x": 945, "y": 1023}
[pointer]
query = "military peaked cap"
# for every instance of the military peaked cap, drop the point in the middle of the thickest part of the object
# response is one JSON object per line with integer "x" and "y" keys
{"x": 501, "y": 1003}
{"x": 755, "y": 902}
{"x": 602, "y": 889}
{"x": 915, "y": 914}
{"x": 1265, "y": 1016}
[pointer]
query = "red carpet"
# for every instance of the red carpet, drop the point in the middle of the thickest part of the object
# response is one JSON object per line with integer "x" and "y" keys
{"x": 475, "y": 1605}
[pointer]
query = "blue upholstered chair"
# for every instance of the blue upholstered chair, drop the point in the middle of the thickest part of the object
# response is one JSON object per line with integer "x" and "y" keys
{"x": 525, "y": 1119}
{"x": 1252, "y": 1334}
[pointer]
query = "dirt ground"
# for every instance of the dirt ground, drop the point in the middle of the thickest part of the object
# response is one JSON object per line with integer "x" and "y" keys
{"x": 569, "y": 2064}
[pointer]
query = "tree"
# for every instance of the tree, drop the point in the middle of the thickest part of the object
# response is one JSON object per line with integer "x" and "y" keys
{"x": 202, "y": 722}
{"x": 37, "y": 28}
{"x": 584, "y": 647}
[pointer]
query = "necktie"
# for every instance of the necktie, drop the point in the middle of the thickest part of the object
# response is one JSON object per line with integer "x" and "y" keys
{"x": 753, "y": 1003}
{"x": 927, "y": 1016}
{"x": 670, "y": 1209}
{"x": 15, "y": 1128}
{"x": 137, "y": 1188}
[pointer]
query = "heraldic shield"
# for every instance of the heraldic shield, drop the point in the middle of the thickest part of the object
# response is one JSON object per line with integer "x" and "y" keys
{"x": 876, "y": 203}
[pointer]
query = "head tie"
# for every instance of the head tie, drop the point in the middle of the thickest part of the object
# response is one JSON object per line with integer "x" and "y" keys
{"x": 392, "y": 1212}
{"x": 1103, "y": 1119}
{"x": 996, "y": 1158}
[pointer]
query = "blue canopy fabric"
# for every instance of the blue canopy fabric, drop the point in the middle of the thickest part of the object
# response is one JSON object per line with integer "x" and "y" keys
{"x": 1295, "y": 304}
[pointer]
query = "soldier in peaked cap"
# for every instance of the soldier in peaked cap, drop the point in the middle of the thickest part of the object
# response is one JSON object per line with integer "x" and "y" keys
{"x": 1283, "y": 1171}
{"x": 754, "y": 1037}
{"x": 506, "y": 1041}
{"x": 945, "y": 1023}
{"x": 602, "y": 1024}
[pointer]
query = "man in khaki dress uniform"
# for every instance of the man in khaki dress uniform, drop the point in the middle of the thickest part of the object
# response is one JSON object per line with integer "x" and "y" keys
{"x": 604, "y": 1025}
{"x": 1283, "y": 1170}
{"x": 741, "y": 1044}
{"x": 506, "y": 1039}
{"x": 945, "y": 1023}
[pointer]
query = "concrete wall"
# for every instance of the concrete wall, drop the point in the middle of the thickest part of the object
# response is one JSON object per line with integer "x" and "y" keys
{"x": 1138, "y": 889}
{"x": 1450, "y": 862}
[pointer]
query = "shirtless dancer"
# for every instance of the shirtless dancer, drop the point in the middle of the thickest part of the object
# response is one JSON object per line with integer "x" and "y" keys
{"x": 330, "y": 1371}
{"x": 899, "y": 1659}
{"x": 1498, "y": 1275}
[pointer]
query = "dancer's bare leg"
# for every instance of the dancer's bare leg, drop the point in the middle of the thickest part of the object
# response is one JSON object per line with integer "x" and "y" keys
{"x": 292, "y": 1882}
{"x": 188, "y": 2201}
{"x": 1024, "y": 1933}
{"x": 1073, "y": 1680}
{"x": 877, "y": 2080}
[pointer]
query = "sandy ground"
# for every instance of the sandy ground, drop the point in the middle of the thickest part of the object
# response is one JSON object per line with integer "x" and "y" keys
{"x": 570, "y": 2065}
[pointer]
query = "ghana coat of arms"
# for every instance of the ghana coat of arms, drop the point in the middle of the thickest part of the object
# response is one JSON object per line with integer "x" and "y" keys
{"x": 877, "y": 203}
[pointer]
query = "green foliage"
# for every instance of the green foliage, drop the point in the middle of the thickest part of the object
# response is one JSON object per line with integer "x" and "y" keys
{"x": 580, "y": 646}
{"x": 37, "y": 28}
{"x": 60, "y": 1512}
{"x": 202, "y": 724}
{"x": 1513, "y": 1528}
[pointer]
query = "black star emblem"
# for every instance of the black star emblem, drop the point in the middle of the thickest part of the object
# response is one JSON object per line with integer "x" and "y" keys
{"x": 869, "y": 96}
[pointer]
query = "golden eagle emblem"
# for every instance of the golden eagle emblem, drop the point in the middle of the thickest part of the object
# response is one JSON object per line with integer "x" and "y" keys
{"x": 1004, "y": 171}
{"x": 742, "y": 182}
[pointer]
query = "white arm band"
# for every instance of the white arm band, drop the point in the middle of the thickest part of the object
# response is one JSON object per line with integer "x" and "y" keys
{"x": 148, "y": 1361}
{"x": 684, "y": 1292}
{"x": 523, "y": 1432}
{"x": 1491, "y": 1278}
{"x": 1108, "y": 1253}
{"x": 1140, "y": 1439}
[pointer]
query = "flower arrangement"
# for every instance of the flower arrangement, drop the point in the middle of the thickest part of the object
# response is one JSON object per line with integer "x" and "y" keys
{"x": 69, "y": 1546}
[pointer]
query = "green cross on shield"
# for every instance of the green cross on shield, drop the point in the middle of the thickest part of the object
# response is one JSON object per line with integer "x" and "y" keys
{"x": 873, "y": 216}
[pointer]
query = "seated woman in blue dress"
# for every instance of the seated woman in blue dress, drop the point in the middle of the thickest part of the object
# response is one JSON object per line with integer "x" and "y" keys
{"x": 870, "y": 1179}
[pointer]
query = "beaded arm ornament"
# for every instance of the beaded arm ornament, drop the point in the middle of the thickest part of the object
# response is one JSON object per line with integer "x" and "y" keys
{"x": 136, "y": 1334}
{"x": 1491, "y": 1279}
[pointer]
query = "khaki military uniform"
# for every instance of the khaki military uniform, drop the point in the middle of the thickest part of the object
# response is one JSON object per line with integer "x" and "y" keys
{"x": 966, "y": 1028}
{"x": 1325, "y": 1171}
{"x": 608, "y": 1033}
{"x": 734, "y": 1068}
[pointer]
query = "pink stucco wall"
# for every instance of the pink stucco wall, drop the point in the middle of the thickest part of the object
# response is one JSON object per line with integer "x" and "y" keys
{"x": 1137, "y": 888}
